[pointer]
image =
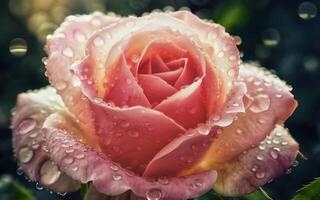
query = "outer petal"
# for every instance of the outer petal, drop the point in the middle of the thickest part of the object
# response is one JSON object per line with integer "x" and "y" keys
{"x": 258, "y": 165}
{"x": 66, "y": 46}
{"x": 84, "y": 164}
{"x": 31, "y": 111}
{"x": 268, "y": 102}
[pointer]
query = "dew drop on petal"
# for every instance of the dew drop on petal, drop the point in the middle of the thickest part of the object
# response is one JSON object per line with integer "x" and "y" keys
{"x": 260, "y": 103}
{"x": 60, "y": 85}
{"x": 98, "y": 41}
{"x": 259, "y": 157}
{"x": 26, "y": 126}
{"x": 254, "y": 168}
{"x": 49, "y": 173}
{"x": 68, "y": 160}
{"x": 154, "y": 194}
{"x": 274, "y": 154}
{"x": 80, "y": 156}
{"x": 212, "y": 35}
{"x": 25, "y": 154}
{"x": 307, "y": 10}
{"x": 260, "y": 174}
{"x": 117, "y": 177}
{"x": 79, "y": 36}
{"x": 67, "y": 52}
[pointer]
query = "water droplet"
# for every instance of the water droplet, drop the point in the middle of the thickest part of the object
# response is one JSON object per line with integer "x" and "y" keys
{"x": 68, "y": 160}
{"x": 261, "y": 121}
{"x": 254, "y": 168}
{"x": 212, "y": 35}
{"x": 276, "y": 141}
{"x": 270, "y": 37}
{"x": 62, "y": 193}
{"x": 231, "y": 73}
{"x": 259, "y": 157}
{"x": 262, "y": 147}
{"x": 25, "y": 154}
{"x": 289, "y": 171}
{"x": 278, "y": 134}
{"x": 134, "y": 134}
{"x": 260, "y": 103}
{"x": 69, "y": 150}
{"x": 114, "y": 167}
{"x": 233, "y": 57}
{"x": 295, "y": 163}
{"x": 26, "y": 126}
{"x": 274, "y": 154}
{"x": 19, "y": 171}
{"x": 33, "y": 135}
{"x": 220, "y": 54}
{"x": 79, "y": 36}
{"x": 278, "y": 96}
{"x": 130, "y": 24}
{"x": 38, "y": 186}
{"x": 125, "y": 124}
{"x": 215, "y": 117}
{"x": 260, "y": 174}
{"x": 44, "y": 60}
{"x": 49, "y": 173}
{"x": 239, "y": 131}
{"x": 198, "y": 183}
{"x": 164, "y": 180}
{"x": 307, "y": 10}
{"x": 237, "y": 39}
{"x": 80, "y": 156}
{"x": 203, "y": 129}
{"x": 219, "y": 131}
{"x": 154, "y": 194}
{"x": 18, "y": 47}
{"x": 98, "y": 41}
{"x": 117, "y": 177}
{"x": 134, "y": 58}
{"x": 284, "y": 143}
{"x": 95, "y": 22}
{"x": 67, "y": 52}
{"x": 60, "y": 85}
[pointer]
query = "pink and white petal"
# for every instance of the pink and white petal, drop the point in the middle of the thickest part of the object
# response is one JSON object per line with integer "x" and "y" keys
{"x": 66, "y": 46}
{"x": 109, "y": 178}
{"x": 258, "y": 165}
{"x": 186, "y": 102}
{"x": 155, "y": 88}
{"x": 224, "y": 53}
{"x": 268, "y": 102}
{"x": 185, "y": 153}
{"x": 31, "y": 111}
{"x": 171, "y": 76}
{"x": 143, "y": 138}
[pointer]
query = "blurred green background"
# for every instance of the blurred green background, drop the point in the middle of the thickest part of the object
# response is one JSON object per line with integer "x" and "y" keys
{"x": 283, "y": 36}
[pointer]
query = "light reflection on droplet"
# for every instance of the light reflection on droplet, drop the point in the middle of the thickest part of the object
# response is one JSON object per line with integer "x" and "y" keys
{"x": 18, "y": 47}
{"x": 307, "y": 10}
{"x": 271, "y": 37}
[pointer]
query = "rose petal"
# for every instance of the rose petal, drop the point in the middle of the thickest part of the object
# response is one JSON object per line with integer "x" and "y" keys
{"x": 224, "y": 52}
{"x": 186, "y": 102}
{"x": 30, "y": 113}
{"x": 158, "y": 64}
{"x": 187, "y": 150}
{"x": 269, "y": 102}
{"x": 258, "y": 165}
{"x": 155, "y": 88}
{"x": 66, "y": 46}
{"x": 171, "y": 76}
{"x": 110, "y": 179}
{"x": 143, "y": 137}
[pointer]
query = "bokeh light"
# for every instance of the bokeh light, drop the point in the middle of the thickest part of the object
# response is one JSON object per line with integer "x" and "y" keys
{"x": 307, "y": 10}
{"x": 18, "y": 47}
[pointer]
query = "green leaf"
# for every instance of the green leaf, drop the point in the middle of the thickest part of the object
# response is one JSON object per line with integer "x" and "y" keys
{"x": 310, "y": 191}
{"x": 10, "y": 189}
{"x": 257, "y": 195}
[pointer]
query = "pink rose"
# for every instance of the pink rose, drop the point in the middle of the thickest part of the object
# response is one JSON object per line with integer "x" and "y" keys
{"x": 158, "y": 105}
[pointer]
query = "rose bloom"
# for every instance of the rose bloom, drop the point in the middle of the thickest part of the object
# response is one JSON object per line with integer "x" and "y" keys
{"x": 153, "y": 107}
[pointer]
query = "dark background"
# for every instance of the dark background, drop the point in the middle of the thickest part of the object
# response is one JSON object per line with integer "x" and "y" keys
{"x": 295, "y": 58}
